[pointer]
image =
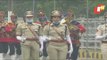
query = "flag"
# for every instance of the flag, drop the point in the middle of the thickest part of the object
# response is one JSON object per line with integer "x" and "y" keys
{"x": 99, "y": 8}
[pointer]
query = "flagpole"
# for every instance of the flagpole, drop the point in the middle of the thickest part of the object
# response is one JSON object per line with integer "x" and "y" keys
{"x": 87, "y": 16}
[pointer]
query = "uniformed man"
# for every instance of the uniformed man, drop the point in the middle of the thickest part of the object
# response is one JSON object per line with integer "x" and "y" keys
{"x": 3, "y": 38}
{"x": 14, "y": 44}
{"x": 101, "y": 34}
{"x": 57, "y": 37}
{"x": 75, "y": 29}
{"x": 27, "y": 33}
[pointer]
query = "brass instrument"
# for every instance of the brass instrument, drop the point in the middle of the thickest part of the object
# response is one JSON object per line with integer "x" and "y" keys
{"x": 67, "y": 21}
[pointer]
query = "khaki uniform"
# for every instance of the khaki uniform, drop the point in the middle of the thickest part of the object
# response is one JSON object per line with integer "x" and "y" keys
{"x": 30, "y": 48}
{"x": 102, "y": 29}
{"x": 57, "y": 47}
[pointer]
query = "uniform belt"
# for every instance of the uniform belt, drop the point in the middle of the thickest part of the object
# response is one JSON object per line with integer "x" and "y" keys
{"x": 31, "y": 39}
{"x": 58, "y": 41}
{"x": 104, "y": 41}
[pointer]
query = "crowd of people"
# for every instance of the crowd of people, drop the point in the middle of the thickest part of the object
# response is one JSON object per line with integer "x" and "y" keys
{"x": 57, "y": 38}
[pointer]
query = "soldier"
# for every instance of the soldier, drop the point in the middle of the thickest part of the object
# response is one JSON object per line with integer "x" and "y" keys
{"x": 14, "y": 44}
{"x": 57, "y": 37}
{"x": 101, "y": 34}
{"x": 75, "y": 29}
{"x": 27, "y": 33}
{"x": 42, "y": 20}
{"x": 3, "y": 38}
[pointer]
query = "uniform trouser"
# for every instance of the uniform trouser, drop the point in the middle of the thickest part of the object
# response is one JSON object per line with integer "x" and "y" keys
{"x": 56, "y": 52}
{"x": 75, "y": 52}
{"x": 14, "y": 48}
{"x": 3, "y": 47}
{"x": 30, "y": 50}
{"x": 45, "y": 49}
{"x": 104, "y": 50}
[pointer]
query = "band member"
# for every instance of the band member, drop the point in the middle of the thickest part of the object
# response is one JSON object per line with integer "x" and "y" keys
{"x": 75, "y": 29}
{"x": 14, "y": 44}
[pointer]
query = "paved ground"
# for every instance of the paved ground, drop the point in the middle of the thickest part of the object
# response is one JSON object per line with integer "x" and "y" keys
{"x": 83, "y": 55}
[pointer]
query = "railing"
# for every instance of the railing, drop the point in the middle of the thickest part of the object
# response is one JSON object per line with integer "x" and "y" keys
{"x": 90, "y": 47}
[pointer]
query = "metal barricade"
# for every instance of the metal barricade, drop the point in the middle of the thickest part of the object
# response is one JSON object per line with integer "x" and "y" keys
{"x": 90, "y": 47}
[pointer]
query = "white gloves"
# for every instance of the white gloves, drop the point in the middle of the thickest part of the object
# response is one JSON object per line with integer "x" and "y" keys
{"x": 41, "y": 42}
{"x": 70, "y": 50}
{"x": 21, "y": 38}
{"x": 71, "y": 47}
{"x": 42, "y": 39}
{"x": 101, "y": 37}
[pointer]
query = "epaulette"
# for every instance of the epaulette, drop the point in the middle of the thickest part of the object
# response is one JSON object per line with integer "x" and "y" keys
{"x": 38, "y": 22}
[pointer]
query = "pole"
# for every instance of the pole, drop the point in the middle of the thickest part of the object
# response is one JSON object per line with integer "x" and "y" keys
{"x": 54, "y": 4}
{"x": 33, "y": 6}
{"x": 87, "y": 16}
{"x": 12, "y": 5}
{"x": 10, "y": 9}
{"x": 87, "y": 9}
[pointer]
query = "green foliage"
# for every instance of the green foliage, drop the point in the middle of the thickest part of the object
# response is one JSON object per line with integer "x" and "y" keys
{"x": 79, "y": 7}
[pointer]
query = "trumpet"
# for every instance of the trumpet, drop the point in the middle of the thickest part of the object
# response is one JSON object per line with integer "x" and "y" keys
{"x": 67, "y": 21}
